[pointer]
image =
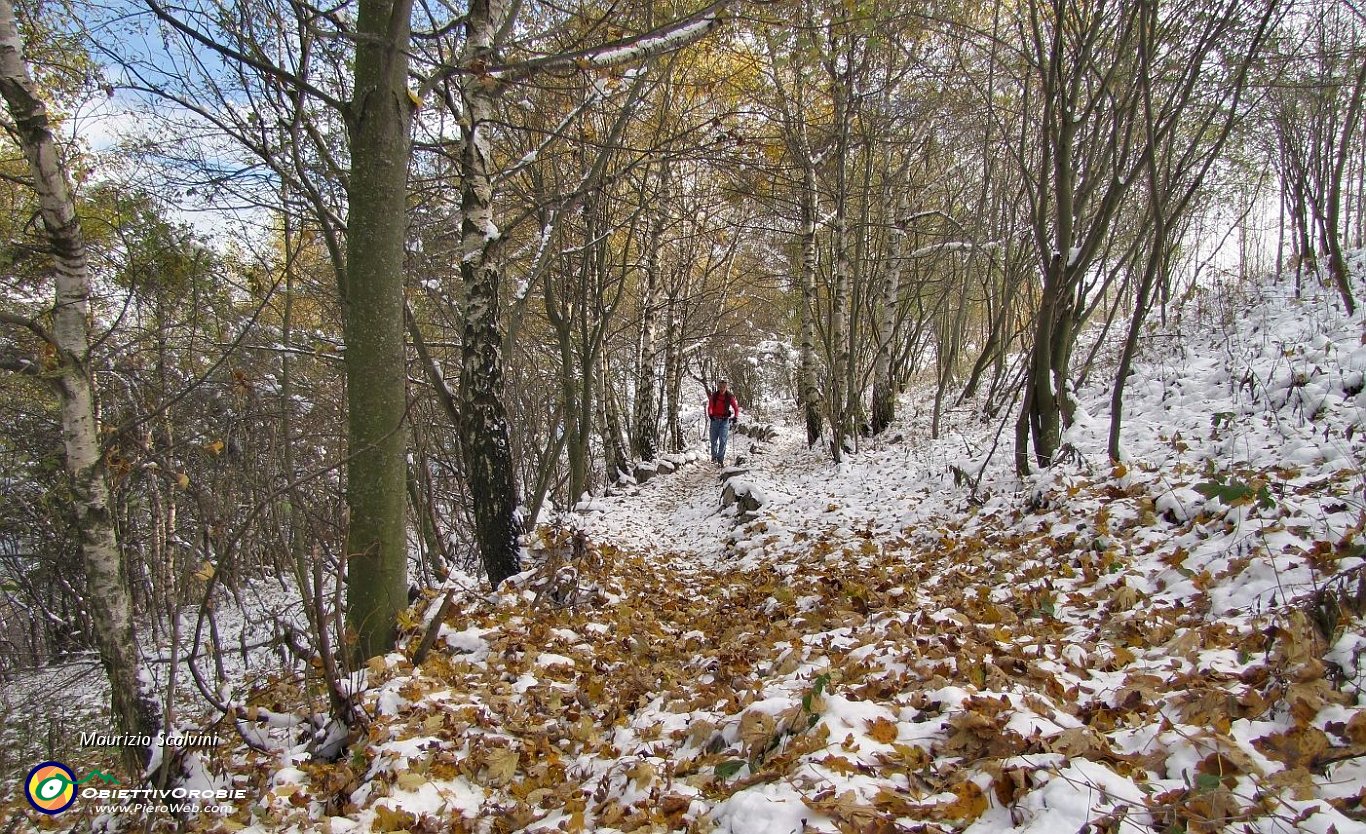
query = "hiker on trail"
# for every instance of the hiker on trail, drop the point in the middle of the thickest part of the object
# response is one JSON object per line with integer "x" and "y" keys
{"x": 723, "y": 410}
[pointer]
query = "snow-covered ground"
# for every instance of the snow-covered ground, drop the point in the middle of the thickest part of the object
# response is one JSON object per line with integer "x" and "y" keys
{"x": 1172, "y": 643}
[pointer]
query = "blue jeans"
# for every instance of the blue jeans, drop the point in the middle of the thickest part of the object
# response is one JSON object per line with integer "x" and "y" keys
{"x": 719, "y": 434}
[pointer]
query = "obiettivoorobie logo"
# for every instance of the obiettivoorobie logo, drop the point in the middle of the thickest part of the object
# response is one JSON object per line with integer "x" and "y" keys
{"x": 51, "y": 786}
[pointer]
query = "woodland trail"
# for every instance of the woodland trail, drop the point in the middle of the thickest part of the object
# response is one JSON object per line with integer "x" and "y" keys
{"x": 678, "y": 513}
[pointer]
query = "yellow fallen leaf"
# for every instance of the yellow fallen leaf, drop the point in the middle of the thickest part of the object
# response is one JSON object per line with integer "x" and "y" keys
{"x": 500, "y": 764}
{"x": 642, "y": 774}
{"x": 756, "y": 731}
{"x": 838, "y": 764}
{"x": 969, "y": 804}
{"x": 389, "y": 819}
{"x": 882, "y": 730}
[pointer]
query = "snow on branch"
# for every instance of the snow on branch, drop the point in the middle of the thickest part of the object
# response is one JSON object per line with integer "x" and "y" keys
{"x": 954, "y": 246}
{"x": 659, "y": 41}
{"x": 597, "y": 95}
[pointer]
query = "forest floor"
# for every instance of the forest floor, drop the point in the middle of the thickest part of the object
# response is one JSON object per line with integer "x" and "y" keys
{"x": 1172, "y": 643}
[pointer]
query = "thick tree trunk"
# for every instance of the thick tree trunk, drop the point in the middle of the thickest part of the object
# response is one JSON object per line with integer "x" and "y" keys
{"x": 111, "y": 609}
{"x": 645, "y": 433}
{"x": 615, "y": 458}
{"x": 673, "y": 375}
{"x": 485, "y": 445}
{"x": 884, "y": 387}
{"x": 1043, "y": 405}
{"x": 376, "y": 389}
{"x": 839, "y": 313}
{"x": 809, "y": 389}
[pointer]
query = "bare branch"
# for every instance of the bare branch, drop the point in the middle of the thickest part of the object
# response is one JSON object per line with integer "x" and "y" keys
{"x": 659, "y": 41}
{"x": 236, "y": 55}
{"x": 15, "y": 363}
{"x": 28, "y": 324}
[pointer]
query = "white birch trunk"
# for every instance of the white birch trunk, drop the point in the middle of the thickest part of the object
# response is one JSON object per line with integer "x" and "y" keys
{"x": 646, "y": 429}
{"x": 111, "y": 608}
{"x": 486, "y": 447}
{"x": 884, "y": 390}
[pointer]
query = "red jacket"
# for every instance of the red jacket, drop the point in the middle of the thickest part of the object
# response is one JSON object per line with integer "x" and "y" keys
{"x": 719, "y": 405}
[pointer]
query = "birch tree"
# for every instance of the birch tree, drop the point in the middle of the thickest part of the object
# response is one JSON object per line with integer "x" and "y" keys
{"x": 645, "y": 432}
{"x": 484, "y": 428}
{"x": 111, "y": 609}
{"x": 789, "y": 65}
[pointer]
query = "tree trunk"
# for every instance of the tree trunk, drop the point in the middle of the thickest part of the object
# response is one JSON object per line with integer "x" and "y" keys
{"x": 575, "y": 428}
{"x": 372, "y": 327}
{"x": 1043, "y": 408}
{"x": 485, "y": 445}
{"x": 111, "y": 610}
{"x": 1328, "y": 210}
{"x": 645, "y": 435}
{"x": 839, "y": 313}
{"x": 949, "y": 346}
{"x": 613, "y": 449}
{"x": 884, "y": 387}
{"x": 673, "y": 375}
{"x": 809, "y": 390}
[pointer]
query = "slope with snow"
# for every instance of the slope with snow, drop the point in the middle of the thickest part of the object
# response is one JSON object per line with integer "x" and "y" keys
{"x": 1171, "y": 643}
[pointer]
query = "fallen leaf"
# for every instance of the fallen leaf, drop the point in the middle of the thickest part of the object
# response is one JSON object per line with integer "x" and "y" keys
{"x": 390, "y": 819}
{"x": 882, "y": 730}
{"x": 500, "y": 764}
{"x": 1298, "y": 747}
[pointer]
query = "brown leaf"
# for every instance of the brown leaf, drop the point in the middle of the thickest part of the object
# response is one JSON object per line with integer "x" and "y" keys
{"x": 969, "y": 803}
{"x": 672, "y": 804}
{"x": 882, "y": 730}
{"x": 390, "y": 819}
{"x": 1013, "y": 783}
{"x": 839, "y": 764}
{"x": 756, "y": 731}
{"x": 1217, "y": 764}
{"x": 1298, "y": 747}
{"x": 1297, "y": 779}
{"x": 642, "y": 773}
{"x": 1355, "y": 731}
{"x": 1077, "y": 742}
{"x": 500, "y": 764}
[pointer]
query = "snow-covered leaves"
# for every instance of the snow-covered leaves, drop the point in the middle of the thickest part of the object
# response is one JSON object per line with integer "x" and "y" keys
{"x": 985, "y": 677}
{"x": 1170, "y": 643}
